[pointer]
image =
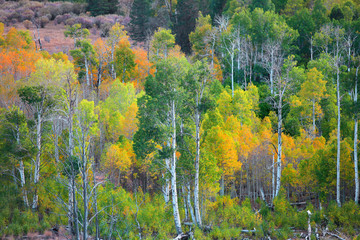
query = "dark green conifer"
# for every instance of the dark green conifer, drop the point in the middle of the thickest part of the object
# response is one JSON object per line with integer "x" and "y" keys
{"x": 139, "y": 23}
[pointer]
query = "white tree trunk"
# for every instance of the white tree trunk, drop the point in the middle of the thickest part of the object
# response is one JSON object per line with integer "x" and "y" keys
{"x": 272, "y": 73}
{"x": 273, "y": 177}
{"x": 87, "y": 72}
{"x": 313, "y": 119}
{"x": 279, "y": 130}
{"x": 37, "y": 160}
{"x": 338, "y": 138}
{"x": 355, "y": 141}
{"x": 173, "y": 172}
{"x": 232, "y": 74}
{"x": 311, "y": 49}
{"x": 85, "y": 188}
{"x": 197, "y": 168}
{"x": 191, "y": 209}
{"x": 22, "y": 182}
{"x": 166, "y": 185}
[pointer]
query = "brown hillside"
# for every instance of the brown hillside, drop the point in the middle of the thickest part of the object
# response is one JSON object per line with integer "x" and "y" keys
{"x": 52, "y": 37}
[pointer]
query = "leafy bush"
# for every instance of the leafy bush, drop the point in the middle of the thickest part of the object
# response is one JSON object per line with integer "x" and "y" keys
{"x": 346, "y": 217}
{"x": 226, "y": 214}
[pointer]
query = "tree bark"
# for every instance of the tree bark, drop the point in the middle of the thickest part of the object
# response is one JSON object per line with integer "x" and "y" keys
{"x": 356, "y": 168}
{"x": 191, "y": 209}
{"x": 313, "y": 119}
{"x": 173, "y": 172}
{"x": 279, "y": 131}
{"x": 338, "y": 137}
{"x": 22, "y": 182}
{"x": 37, "y": 161}
{"x": 197, "y": 166}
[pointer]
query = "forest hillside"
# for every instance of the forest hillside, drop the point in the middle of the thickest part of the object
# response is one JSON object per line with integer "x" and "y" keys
{"x": 187, "y": 119}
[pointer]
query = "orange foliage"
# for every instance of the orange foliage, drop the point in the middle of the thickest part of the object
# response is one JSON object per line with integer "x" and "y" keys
{"x": 142, "y": 69}
{"x": 217, "y": 71}
{"x": 18, "y": 63}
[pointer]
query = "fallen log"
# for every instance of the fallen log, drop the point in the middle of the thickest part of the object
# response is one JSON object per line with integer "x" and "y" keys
{"x": 333, "y": 235}
{"x": 184, "y": 236}
{"x": 298, "y": 203}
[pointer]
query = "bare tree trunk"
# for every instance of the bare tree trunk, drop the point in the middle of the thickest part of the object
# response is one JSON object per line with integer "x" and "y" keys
{"x": 87, "y": 72}
{"x": 166, "y": 186}
{"x": 355, "y": 140}
{"x": 311, "y": 49}
{"x": 279, "y": 131}
{"x": 22, "y": 182}
{"x": 75, "y": 215}
{"x": 37, "y": 161}
{"x": 173, "y": 172}
{"x": 85, "y": 188}
{"x": 313, "y": 119}
{"x": 338, "y": 138}
{"x": 191, "y": 210}
{"x": 197, "y": 168}
{"x": 97, "y": 228}
{"x": 185, "y": 203}
{"x": 222, "y": 190}
{"x": 232, "y": 74}
{"x": 273, "y": 177}
{"x": 272, "y": 73}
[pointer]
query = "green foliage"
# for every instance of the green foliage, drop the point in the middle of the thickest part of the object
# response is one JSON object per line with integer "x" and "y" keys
{"x": 228, "y": 218}
{"x": 346, "y": 217}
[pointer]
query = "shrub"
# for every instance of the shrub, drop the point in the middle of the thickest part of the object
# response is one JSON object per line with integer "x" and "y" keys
{"x": 34, "y": 5}
{"x": 79, "y": 8}
{"x": 54, "y": 10}
{"x": 27, "y": 24}
{"x": 105, "y": 29}
{"x": 43, "y": 21}
{"x": 284, "y": 214}
{"x": 28, "y": 14}
{"x": 86, "y": 22}
{"x": 62, "y": 18}
{"x": 70, "y": 21}
{"x": 43, "y": 12}
{"x": 66, "y": 7}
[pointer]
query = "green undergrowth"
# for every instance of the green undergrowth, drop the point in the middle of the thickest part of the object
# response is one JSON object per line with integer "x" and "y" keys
{"x": 130, "y": 216}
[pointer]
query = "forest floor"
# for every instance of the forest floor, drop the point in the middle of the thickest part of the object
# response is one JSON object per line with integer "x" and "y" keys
{"x": 63, "y": 235}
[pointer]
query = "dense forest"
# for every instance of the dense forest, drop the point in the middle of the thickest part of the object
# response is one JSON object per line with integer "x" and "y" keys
{"x": 187, "y": 119}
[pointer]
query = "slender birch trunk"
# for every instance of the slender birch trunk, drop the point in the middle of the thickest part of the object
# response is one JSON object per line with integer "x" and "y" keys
{"x": 356, "y": 140}
{"x": 21, "y": 170}
{"x": 338, "y": 138}
{"x": 191, "y": 209}
{"x": 232, "y": 74}
{"x": 37, "y": 161}
{"x": 313, "y": 118}
{"x": 279, "y": 131}
{"x": 22, "y": 182}
{"x": 197, "y": 166}
{"x": 273, "y": 177}
{"x": 173, "y": 172}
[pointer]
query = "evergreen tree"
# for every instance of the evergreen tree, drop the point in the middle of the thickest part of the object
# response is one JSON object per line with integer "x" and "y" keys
{"x": 139, "y": 23}
{"x": 185, "y": 23}
{"x": 102, "y": 7}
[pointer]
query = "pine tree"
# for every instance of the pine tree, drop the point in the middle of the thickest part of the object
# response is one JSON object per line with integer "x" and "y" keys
{"x": 140, "y": 12}
{"x": 102, "y": 7}
{"x": 185, "y": 23}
